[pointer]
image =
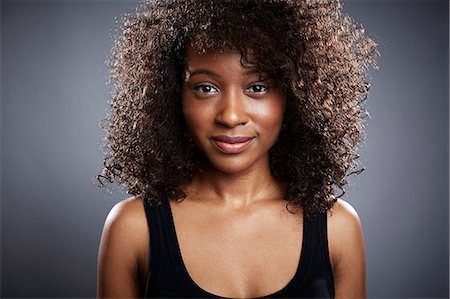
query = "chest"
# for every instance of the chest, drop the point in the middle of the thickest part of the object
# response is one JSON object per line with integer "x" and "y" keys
{"x": 248, "y": 254}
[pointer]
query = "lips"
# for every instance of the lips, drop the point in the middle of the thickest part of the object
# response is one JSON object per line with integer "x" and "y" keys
{"x": 231, "y": 144}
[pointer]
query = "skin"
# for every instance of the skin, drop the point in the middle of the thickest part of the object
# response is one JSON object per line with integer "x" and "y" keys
{"x": 234, "y": 213}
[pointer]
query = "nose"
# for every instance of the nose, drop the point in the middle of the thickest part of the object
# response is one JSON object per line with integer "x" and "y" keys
{"x": 232, "y": 111}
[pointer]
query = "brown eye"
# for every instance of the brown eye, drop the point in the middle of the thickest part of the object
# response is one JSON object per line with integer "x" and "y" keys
{"x": 206, "y": 89}
{"x": 258, "y": 88}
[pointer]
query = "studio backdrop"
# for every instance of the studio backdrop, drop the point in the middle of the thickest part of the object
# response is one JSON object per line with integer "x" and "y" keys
{"x": 54, "y": 94}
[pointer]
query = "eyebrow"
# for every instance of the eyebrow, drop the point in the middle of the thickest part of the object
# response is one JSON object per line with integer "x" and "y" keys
{"x": 203, "y": 71}
{"x": 216, "y": 75}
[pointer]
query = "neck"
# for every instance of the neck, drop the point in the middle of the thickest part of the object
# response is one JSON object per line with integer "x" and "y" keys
{"x": 235, "y": 190}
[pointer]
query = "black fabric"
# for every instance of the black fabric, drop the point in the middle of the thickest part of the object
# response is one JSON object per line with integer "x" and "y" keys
{"x": 168, "y": 277}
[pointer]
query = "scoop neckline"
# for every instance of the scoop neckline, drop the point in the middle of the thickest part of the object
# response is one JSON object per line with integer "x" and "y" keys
{"x": 202, "y": 292}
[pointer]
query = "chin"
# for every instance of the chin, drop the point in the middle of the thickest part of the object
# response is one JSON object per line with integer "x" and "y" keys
{"x": 233, "y": 165}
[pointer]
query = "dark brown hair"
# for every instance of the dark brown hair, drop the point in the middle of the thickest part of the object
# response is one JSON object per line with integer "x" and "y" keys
{"x": 318, "y": 55}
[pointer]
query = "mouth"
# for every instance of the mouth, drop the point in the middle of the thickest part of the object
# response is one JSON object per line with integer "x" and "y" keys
{"x": 231, "y": 144}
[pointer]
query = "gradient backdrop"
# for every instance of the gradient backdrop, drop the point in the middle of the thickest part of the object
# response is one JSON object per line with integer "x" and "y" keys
{"x": 53, "y": 95}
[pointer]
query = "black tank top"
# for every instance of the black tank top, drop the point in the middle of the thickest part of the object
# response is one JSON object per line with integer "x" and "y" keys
{"x": 168, "y": 277}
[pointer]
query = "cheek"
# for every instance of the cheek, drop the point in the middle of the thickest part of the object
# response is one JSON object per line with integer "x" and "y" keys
{"x": 270, "y": 115}
{"x": 195, "y": 115}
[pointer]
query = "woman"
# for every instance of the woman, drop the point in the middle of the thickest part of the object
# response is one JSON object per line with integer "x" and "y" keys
{"x": 233, "y": 122}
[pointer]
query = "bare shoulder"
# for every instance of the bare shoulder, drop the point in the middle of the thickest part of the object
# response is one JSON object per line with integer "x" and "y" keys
{"x": 123, "y": 250}
{"x": 346, "y": 248}
{"x": 126, "y": 214}
{"x": 344, "y": 228}
{"x": 126, "y": 224}
{"x": 343, "y": 216}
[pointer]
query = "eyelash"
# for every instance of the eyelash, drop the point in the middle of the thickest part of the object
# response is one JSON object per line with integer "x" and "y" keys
{"x": 265, "y": 88}
{"x": 202, "y": 86}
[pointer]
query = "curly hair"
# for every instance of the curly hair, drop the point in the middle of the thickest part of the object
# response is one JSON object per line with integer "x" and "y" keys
{"x": 318, "y": 54}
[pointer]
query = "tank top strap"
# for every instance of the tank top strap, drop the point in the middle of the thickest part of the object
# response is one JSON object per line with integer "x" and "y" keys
{"x": 323, "y": 239}
{"x": 155, "y": 224}
{"x": 165, "y": 278}
{"x": 161, "y": 246}
{"x": 320, "y": 269}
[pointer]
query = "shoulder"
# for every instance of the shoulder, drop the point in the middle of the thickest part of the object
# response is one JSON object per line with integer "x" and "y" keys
{"x": 126, "y": 232}
{"x": 343, "y": 215}
{"x": 346, "y": 250}
{"x": 126, "y": 214}
{"x": 123, "y": 250}
{"x": 345, "y": 236}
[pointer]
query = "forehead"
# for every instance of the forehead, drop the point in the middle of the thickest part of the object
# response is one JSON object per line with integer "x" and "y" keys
{"x": 196, "y": 57}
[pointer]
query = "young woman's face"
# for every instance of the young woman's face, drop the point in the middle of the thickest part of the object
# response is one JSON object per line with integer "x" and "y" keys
{"x": 232, "y": 115}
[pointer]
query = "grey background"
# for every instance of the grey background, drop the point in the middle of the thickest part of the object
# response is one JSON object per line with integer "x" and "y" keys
{"x": 53, "y": 95}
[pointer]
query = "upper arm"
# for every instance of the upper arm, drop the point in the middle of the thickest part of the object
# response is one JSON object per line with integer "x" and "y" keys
{"x": 347, "y": 253}
{"x": 122, "y": 245}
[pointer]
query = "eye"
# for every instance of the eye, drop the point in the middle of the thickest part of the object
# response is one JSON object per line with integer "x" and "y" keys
{"x": 258, "y": 88}
{"x": 207, "y": 89}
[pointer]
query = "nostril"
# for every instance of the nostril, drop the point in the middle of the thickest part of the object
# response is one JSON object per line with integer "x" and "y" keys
{"x": 231, "y": 111}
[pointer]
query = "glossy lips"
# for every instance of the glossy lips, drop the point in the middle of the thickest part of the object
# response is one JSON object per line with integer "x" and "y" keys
{"x": 231, "y": 144}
